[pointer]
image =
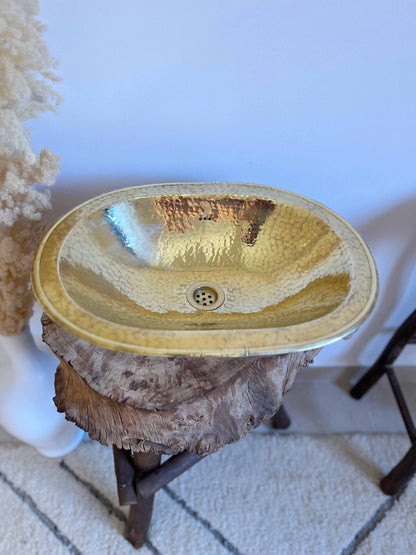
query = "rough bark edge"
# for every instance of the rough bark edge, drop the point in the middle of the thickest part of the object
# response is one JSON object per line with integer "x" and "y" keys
{"x": 201, "y": 426}
{"x": 150, "y": 382}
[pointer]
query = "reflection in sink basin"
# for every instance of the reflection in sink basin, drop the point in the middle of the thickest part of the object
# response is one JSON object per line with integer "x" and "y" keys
{"x": 124, "y": 271}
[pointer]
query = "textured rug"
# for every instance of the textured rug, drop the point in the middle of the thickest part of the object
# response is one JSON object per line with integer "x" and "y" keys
{"x": 267, "y": 494}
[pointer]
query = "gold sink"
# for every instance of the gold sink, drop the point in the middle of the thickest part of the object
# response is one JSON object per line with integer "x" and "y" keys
{"x": 205, "y": 269}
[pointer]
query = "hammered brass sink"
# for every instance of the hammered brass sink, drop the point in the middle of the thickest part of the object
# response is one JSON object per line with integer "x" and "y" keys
{"x": 199, "y": 269}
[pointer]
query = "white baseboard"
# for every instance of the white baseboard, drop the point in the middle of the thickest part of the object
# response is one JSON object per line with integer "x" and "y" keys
{"x": 319, "y": 402}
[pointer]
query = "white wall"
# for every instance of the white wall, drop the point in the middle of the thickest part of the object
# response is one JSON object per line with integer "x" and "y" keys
{"x": 315, "y": 97}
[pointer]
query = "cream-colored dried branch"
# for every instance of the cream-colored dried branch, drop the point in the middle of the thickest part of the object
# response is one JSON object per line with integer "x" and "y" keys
{"x": 26, "y": 90}
{"x": 25, "y": 63}
{"x": 17, "y": 244}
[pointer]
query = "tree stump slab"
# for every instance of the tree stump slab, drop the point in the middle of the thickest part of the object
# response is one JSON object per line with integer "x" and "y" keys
{"x": 167, "y": 405}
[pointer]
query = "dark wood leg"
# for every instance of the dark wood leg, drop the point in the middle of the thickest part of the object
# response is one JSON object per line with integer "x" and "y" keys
{"x": 165, "y": 473}
{"x": 281, "y": 420}
{"x": 369, "y": 379}
{"x": 140, "y": 514}
{"x": 397, "y": 478}
{"x": 124, "y": 468}
{"x": 404, "y": 335}
{"x": 401, "y": 403}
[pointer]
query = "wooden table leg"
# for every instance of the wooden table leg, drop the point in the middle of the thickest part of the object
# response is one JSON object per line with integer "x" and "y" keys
{"x": 140, "y": 514}
{"x": 165, "y": 473}
{"x": 124, "y": 468}
{"x": 397, "y": 478}
{"x": 281, "y": 420}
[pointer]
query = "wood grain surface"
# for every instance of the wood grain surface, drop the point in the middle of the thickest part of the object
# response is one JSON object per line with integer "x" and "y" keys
{"x": 162, "y": 405}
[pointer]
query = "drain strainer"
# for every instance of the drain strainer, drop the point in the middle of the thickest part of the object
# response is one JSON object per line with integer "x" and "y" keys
{"x": 205, "y": 295}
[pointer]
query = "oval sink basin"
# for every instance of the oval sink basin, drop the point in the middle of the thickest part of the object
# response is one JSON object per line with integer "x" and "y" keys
{"x": 205, "y": 269}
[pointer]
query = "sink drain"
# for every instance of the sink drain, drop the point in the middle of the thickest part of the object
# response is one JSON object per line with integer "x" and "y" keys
{"x": 205, "y": 295}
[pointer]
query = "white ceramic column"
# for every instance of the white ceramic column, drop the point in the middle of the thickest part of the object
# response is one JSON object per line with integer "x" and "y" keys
{"x": 27, "y": 410}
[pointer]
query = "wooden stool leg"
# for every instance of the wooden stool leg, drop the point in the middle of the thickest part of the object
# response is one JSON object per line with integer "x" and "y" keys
{"x": 123, "y": 466}
{"x": 369, "y": 379}
{"x": 397, "y": 478}
{"x": 281, "y": 420}
{"x": 401, "y": 337}
{"x": 140, "y": 514}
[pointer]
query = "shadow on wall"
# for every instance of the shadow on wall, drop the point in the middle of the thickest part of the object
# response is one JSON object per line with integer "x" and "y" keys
{"x": 391, "y": 236}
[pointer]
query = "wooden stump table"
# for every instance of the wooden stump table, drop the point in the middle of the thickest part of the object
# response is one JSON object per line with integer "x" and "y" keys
{"x": 186, "y": 407}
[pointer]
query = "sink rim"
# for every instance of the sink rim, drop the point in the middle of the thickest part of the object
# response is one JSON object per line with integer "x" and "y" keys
{"x": 191, "y": 342}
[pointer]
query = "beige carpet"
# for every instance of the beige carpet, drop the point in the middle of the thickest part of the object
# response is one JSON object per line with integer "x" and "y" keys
{"x": 267, "y": 494}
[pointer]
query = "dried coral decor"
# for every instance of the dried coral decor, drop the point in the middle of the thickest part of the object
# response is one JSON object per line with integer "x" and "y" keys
{"x": 181, "y": 314}
{"x": 26, "y": 77}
